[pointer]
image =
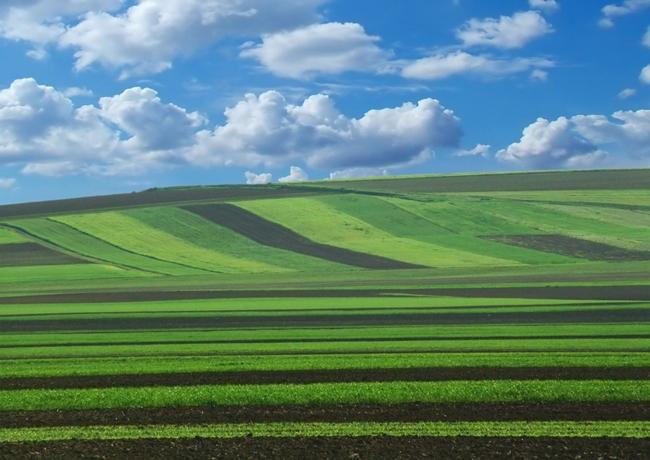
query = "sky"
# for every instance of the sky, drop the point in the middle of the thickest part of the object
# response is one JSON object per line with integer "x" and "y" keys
{"x": 108, "y": 96}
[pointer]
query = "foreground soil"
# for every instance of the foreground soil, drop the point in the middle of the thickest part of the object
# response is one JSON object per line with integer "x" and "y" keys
{"x": 426, "y": 374}
{"x": 551, "y": 411}
{"x": 615, "y": 292}
{"x": 336, "y": 448}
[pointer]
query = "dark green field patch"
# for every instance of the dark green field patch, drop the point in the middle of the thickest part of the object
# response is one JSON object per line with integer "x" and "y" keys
{"x": 31, "y": 254}
{"x": 573, "y": 247}
{"x": 271, "y": 234}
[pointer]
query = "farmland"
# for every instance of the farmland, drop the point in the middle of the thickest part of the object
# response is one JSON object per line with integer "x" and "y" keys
{"x": 467, "y": 316}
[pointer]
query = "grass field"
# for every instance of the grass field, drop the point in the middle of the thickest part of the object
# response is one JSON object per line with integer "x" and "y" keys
{"x": 452, "y": 314}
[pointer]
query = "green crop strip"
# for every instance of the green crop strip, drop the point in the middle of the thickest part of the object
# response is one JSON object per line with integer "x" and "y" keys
{"x": 337, "y": 393}
{"x": 138, "y": 365}
{"x": 283, "y": 430}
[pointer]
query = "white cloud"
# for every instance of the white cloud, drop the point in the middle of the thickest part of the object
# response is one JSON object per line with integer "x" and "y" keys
{"x": 148, "y": 36}
{"x": 296, "y": 174}
{"x": 627, "y": 93}
{"x": 645, "y": 75}
{"x": 75, "y": 91}
{"x": 6, "y": 183}
{"x": 583, "y": 141}
{"x": 43, "y": 131}
{"x": 627, "y": 7}
{"x": 267, "y": 130}
{"x": 258, "y": 179}
{"x": 43, "y": 22}
{"x": 330, "y": 48}
{"x": 150, "y": 123}
{"x": 354, "y": 173}
{"x": 646, "y": 38}
{"x": 544, "y": 5}
{"x": 506, "y": 32}
{"x": 442, "y": 66}
{"x": 539, "y": 75}
{"x": 481, "y": 150}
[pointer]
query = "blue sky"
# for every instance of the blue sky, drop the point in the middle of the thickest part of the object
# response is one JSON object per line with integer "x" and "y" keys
{"x": 103, "y": 96}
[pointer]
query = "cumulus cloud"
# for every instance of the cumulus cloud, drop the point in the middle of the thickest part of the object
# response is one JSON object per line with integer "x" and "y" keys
{"x": 149, "y": 35}
{"x": 506, "y": 32}
{"x": 616, "y": 10}
{"x": 75, "y": 91}
{"x": 330, "y": 48}
{"x": 44, "y": 132}
{"x": 480, "y": 150}
{"x": 646, "y": 38}
{"x": 583, "y": 141}
{"x": 353, "y": 173}
{"x": 442, "y": 66}
{"x": 544, "y": 5}
{"x": 42, "y": 129}
{"x": 539, "y": 75}
{"x": 296, "y": 174}
{"x": 43, "y": 21}
{"x": 267, "y": 130}
{"x": 258, "y": 179}
{"x": 645, "y": 75}
{"x": 6, "y": 183}
{"x": 627, "y": 93}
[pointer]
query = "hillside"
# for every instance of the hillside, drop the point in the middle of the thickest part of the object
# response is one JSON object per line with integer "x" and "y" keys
{"x": 591, "y": 222}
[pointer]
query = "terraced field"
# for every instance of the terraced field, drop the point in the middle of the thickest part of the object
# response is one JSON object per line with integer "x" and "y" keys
{"x": 443, "y": 316}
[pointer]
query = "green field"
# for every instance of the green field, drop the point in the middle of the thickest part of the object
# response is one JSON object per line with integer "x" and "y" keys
{"x": 474, "y": 306}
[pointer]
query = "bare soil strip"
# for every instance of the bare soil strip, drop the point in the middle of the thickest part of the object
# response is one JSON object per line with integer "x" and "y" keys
{"x": 335, "y": 448}
{"x": 228, "y": 322}
{"x": 573, "y": 247}
{"x": 325, "y": 376}
{"x": 269, "y": 233}
{"x": 616, "y": 292}
{"x": 31, "y": 254}
{"x": 323, "y": 340}
{"x": 547, "y": 411}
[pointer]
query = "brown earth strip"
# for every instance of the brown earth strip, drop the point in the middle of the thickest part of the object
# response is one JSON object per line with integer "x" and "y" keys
{"x": 328, "y": 376}
{"x": 271, "y": 234}
{"x": 572, "y": 247}
{"x": 616, "y": 292}
{"x": 546, "y": 411}
{"x": 344, "y": 448}
{"x": 229, "y": 322}
{"x": 32, "y": 254}
{"x": 324, "y": 340}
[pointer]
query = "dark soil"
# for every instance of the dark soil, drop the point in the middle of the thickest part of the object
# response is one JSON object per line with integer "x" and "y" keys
{"x": 31, "y": 254}
{"x": 572, "y": 247}
{"x": 336, "y": 448}
{"x": 617, "y": 292}
{"x": 332, "y": 413}
{"x": 271, "y": 234}
{"x": 320, "y": 376}
{"x": 226, "y": 322}
{"x": 336, "y": 375}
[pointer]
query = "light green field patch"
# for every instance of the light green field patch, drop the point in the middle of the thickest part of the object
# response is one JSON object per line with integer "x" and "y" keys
{"x": 453, "y": 229}
{"x": 75, "y": 241}
{"x": 133, "y": 235}
{"x": 63, "y": 273}
{"x": 8, "y": 236}
{"x": 307, "y": 215}
{"x": 200, "y": 232}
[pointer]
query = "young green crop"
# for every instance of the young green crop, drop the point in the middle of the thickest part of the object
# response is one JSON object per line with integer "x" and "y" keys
{"x": 619, "y": 429}
{"x": 328, "y": 393}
